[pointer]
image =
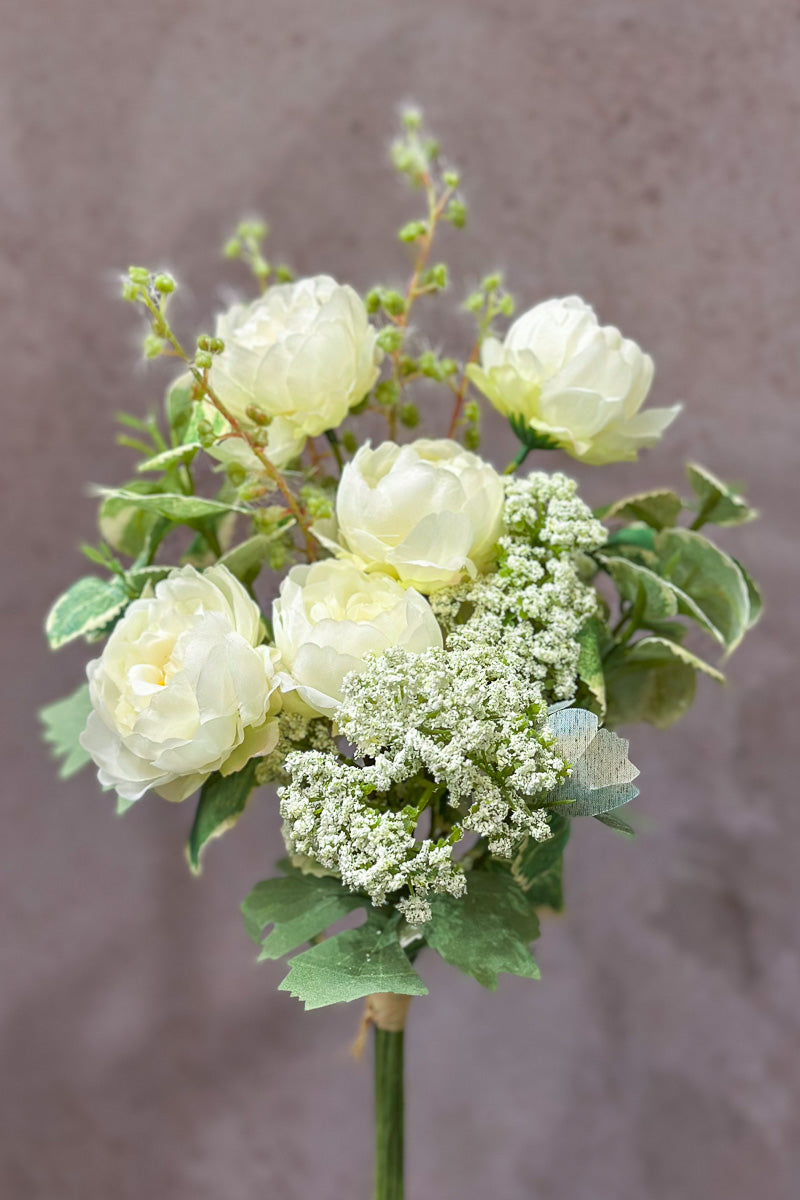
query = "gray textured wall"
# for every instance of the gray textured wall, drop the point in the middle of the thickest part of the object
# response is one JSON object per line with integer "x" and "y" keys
{"x": 643, "y": 154}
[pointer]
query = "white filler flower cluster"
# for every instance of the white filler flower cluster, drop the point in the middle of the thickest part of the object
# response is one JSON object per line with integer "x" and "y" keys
{"x": 466, "y": 722}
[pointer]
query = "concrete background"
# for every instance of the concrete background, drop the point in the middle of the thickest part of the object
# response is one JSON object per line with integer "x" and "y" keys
{"x": 642, "y": 154}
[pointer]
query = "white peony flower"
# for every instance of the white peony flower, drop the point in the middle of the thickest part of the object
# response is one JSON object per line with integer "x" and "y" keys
{"x": 303, "y": 352}
{"x": 183, "y": 688}
{"x": 429, "y": 513}
{"x": 329, "y": 615}
{"x": 578, "y": 383}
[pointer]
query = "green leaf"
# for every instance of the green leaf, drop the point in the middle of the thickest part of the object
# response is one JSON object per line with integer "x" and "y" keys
{"x": 204, "y": 413}
{"x": 754, "y": 597}
{"x": 652, "y": 680}
{"x": 124, "y": 525}
{"x": 85, "y": 610}
{"x": 537, "y": 867}
{"x": 653, "y": 598}
{"x": 63, "y": 723}
{"x": 658, "y": 509}
{"x": 639, "y": 537}
{"x": 352, "y": 964}
{"x": 170, "y": 458}
{"x": 299, "y": 907}
{"x": 174, "y": 506}
{"x": 246, "y": 560}
{"x": 717, "y": 502}
{"x": 223, "y": 799}
{"x": 616, "y": 823}
{"x": 486, "y": 931}
{"x": 590, "y": 661}
{"x": 179, "y": 406}
{"x": 602, "y": 774}
{"x": 715, "y": 591}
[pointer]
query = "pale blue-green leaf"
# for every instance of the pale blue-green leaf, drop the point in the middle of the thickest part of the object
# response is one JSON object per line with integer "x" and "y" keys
{"x": 602, "y": 774}
{"x": 85, "y": 610}
{"x": 64, "y": 722}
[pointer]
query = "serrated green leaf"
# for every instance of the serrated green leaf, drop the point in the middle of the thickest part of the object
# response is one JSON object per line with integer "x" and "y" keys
{"x": 298, "y": 907}
{"x": 174, "y": 506}
{"x": 537, "y": 867}
{"x": 85, "y": 610}
{"x": 170, "y": 458}
{"x": 351, "y": 965}
{"x": 658, "y": 509}
{"x": 487, "y": 931}
{"x": 222, "y": 801}
{"x": 64, "y": 722}
{"x": 717, "y": 502}
{"x": 602, "y": 774}
{"x": 711, "y": 580}
{"x": 590, "y": 661}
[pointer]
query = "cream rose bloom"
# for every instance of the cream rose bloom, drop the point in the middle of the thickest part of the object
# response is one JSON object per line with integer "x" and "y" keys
{"x": 429, "y": 513}
{"x": 329, "y": 615}
{"x": 183, "y": 688}
{"x": 303, "y": 352}
{"x": 577, "y": 382}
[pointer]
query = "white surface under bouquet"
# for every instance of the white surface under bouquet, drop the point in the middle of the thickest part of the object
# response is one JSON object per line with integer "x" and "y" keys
{"x": 428, "y": 657}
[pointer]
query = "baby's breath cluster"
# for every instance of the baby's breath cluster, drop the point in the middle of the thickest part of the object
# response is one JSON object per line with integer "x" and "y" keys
{"x": 535, "y": 602}
{"x": 460, "y": 729}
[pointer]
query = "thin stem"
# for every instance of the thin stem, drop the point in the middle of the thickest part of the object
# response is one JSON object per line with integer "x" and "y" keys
{"x": 389, "y": 1106}
{"x": 461, "y": 390}
{"x": 522, "y": 454}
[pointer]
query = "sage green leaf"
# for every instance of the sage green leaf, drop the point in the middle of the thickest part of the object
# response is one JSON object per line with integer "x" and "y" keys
{"x": 653, "y": 598}
{"x": 658, "y": 509}
{"x": 350, "y": 965}
{"x": 223, "y": 799}
{"x": 298, "y": 907}
{"x": 602, "y": 774}
{"x": 64, "y": 722}
{"x": 717, "y": 502}
{"x": 537, "y": 867}
{"x": 138, "y": 578}
{"x": 715, "y": 591}
{"x": 653, "y": 680}
{"x": 174, "y": 506}
{"x": 246, "y": 560}
{"x": 590, "y": 661}
{"x": 170, "y": 458}
{"x": 486, "y": 931}
{"x": 85, "y": 610}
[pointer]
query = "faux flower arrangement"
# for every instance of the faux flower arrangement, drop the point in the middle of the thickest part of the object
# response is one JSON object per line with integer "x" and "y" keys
{"x": 448, "y": 650}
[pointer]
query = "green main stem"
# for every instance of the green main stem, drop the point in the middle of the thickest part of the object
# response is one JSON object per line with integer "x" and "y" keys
{"x": 388, "y": 1115}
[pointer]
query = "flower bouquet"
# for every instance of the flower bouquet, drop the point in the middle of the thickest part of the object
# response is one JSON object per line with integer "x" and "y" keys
{"x": 448, "y": 650}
